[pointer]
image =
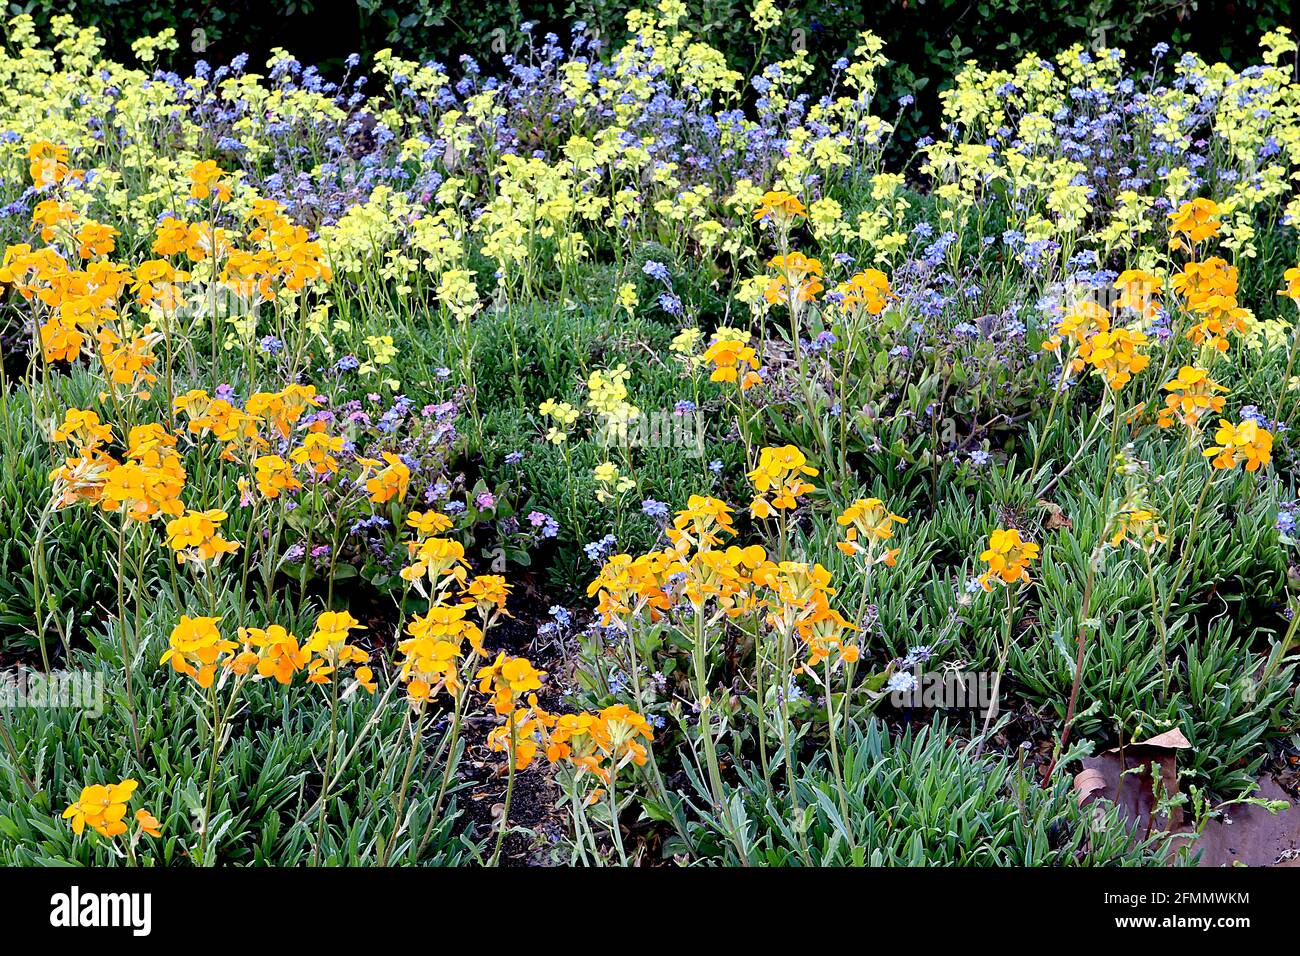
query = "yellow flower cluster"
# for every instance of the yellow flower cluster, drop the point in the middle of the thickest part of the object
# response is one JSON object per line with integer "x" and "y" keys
{"x": 102, "y": 807}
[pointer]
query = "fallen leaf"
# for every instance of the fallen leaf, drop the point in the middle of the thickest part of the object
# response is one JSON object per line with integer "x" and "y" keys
{"x": 1056, "y": 517}
{"x": 1123, "y": 776}
{"x": 1170, "y": 740}
{"x": 1087, "y": 783}
{"x": 1248, "y": 835}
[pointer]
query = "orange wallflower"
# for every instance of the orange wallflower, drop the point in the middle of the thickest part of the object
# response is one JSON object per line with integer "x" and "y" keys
{"x": 1008, "y": 557}
{"x": 733, "y": 359}
{"x": 207, "y": 179}
{"x": 798, "y": 279}
{"x": 195, "y": 538}
{"x": 102, "y": 808}
{"x": 780, "y": 475}
{"x": 506, "y": 679}
{"x": 1191, "y": 394}
{"x": 1115, "y": 354}
{"x": 390, "y": 481}
{"x": 1247, "y": 443}
{"x": 779, "y": 207}
{"x": 867, "y": 291}
{"x": 1193, "y": 222}
{"x": 196, "y": 647}
{"x": 870, "y": 524}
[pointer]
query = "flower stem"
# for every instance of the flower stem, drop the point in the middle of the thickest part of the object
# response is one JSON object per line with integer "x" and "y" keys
{"x": 510, "y": 789}
{"x": 406, "y": 783}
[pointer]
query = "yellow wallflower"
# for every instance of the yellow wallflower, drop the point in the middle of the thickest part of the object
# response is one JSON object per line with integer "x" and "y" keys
{"x": 195, "y": 538}
{"x": 102, "y": 808}
{"x": 1246, "y": 442}
{"x": 1008, "y": 557}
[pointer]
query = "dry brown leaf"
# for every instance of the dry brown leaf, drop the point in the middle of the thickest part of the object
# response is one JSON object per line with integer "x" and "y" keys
{"x": 1126, "y": 773}
{"x": 1169, "y": 740}
{"x": 1249, "y": 835}
{"x": 1087, "y": 783}
{"x": 1056, "y": 517}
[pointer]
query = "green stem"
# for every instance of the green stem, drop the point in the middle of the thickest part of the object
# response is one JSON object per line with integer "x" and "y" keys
{"x": 329, "y": 769}
{"x": 510, "y": 789}
{"x": 835, "y": 754}
{"x": 1002, "y": 663}
{"x": 121, "y": 633}
{"x": 406, "y": 783}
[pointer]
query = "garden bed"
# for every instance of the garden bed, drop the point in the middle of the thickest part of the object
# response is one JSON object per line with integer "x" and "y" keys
{"x": 602, "y": 456}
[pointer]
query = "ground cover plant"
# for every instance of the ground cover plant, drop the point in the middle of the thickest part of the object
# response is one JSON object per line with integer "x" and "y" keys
{"x": 592, "y": 456}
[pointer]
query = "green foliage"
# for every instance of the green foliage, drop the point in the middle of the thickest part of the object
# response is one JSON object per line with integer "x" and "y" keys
{"x": 919, "y": 799}
{"x": 268, "y": 780}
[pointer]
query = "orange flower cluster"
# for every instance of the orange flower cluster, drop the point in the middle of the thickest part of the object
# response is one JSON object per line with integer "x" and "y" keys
{"x": 329, "y": 642}
{"x": 385, "y": 480}
{"x": 1114, "y": 351}
{"x": 278, "y": 412}
{"x": 433, "y": 659}
{"x": 507, "y": 681}
{"x": 126, "y": 362}
{"x": 1138, "y": 292}
{"x": 148, "y": 482}
{"x": 432, "y": 654}
{"x": 207, "y": 180}
{"x": 1078, "y": 326}
{"x": 866, "y": 292}
{"x": 779, "y": 207}
{"x": 1115, "y": 354}
{"x": 77, "y": 303}
{"x": 1192, "y": 393}
{"x": 780, "y": 473}
{"x": 1194, "y": 221}
{"x": 47, "y": 164}
{"x": 701, "y": 524}
{"x": 278, "y": 251}
{"x": 317, "y": 451}
{"x": 600, "y": 743}
{"x": 83, "y": 305}
{"x": 150, "y": 479}
{"x": 1008, "y": 557}
{"x": 197, "y": 650}
{"x": 274, "y": 477}
{"x": 1292, "y": 279}
{"x": 798, "y": 603}
{"x": 435, "y": 648}
{"x": 1209, "y": 290}
{"x": 245, "y": 432}
{"x": 797, "y": 279}
{"x": 869, "y": 526}
{"x": 437, "y": 561}
{"x": 701, "y": 570}
{"x": 195, "y": 538}
{"x": 733, "y": 359}
{"x": 102, "y": 807}
{"x": 1246, "y": 442}
{"x": 82, "y": 476}
{"x": 270, "y": 652}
